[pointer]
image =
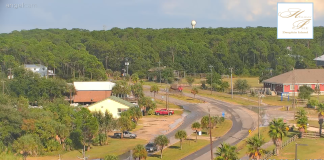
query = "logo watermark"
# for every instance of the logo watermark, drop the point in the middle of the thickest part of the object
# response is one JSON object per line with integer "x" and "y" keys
{"x": 21, "y": 5}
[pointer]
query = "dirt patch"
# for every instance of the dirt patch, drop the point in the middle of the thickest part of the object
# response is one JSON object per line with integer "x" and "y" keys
{"x": 153, "y": 126}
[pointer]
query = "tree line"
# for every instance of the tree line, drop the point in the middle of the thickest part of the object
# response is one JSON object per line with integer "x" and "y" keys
{"x": 85, "y": 55}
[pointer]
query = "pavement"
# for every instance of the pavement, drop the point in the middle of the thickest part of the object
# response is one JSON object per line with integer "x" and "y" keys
{"x": 243, "y": 120}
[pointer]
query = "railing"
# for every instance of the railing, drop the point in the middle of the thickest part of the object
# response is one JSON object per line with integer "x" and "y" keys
{"x": 292, "y": 139}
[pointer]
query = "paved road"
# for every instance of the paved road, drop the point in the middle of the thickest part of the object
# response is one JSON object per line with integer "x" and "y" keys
{"x": 242, "y": 122}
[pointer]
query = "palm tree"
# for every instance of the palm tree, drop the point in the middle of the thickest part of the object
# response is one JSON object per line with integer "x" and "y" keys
{"x": 320, "y": 111}
{"x": 205, "y": 122}
{"x": 196, "y": 127}
{"x": 139, "y": 152}
{"x": 277, "y": 132}
{"x": 254, "y": 144}
{"x": 154, "y": 89}
{"x": 181, "y": 134}
{"x": 216, "y": 120}
{"x": 161, "y": 141}
{"x": 226, "y": 152}
{"x": 301, "y": 113}
{"x": 135, "y": 113}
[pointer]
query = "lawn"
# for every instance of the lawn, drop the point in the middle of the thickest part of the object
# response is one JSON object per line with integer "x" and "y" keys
{"x": 223, "y": 97}
{"x": 174, "y": 152}
{"x": 185, "y": 98}
{"x": 311, "y": 123}
{"x": 242, "y": 146}
{"x": 314, "y": 150}
{"x": 115, "y": 147}
{"x": 220, "y": 130}
{"x": 161, "y": 104}
{"x": 252, "y": 81}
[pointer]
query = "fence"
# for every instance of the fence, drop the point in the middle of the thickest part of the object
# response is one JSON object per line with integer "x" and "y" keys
{"x": 292, "y": 139}
{"x": 311, "y": 135}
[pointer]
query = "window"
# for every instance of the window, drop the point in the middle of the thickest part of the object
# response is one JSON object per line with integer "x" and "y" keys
{"x": 309, "y": 85}
{"x": 120, "y": 110}
{"x": 317, "y": 86}
{"x": 292, "y": 87}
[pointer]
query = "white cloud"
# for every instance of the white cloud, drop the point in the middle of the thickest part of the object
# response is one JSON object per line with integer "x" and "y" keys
{"x": 250, "y": 10}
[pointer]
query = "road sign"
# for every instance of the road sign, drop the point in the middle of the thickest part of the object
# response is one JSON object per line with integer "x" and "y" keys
{"x": 223, "y": 114}
{"x": 250, "y": 131}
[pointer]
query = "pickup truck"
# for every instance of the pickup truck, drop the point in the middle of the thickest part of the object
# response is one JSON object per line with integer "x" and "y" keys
{"x": 164, "y": 112}
{"x": 126, "y": 134}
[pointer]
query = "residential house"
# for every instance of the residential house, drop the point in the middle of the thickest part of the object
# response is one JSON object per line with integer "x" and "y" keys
{"x": 113, "y": 104}
{"x": 290, "y": 82}
{"x": 91, "y": 92}
{"x": 40, "y": 69}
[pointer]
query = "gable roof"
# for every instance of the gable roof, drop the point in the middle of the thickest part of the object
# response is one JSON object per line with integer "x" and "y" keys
{"x": 34, "y": 66}
{"x": 116, "y": 99}
{"x": 93, "y": 86}
{"x": 301, "y": 76}
{"x": 320, "y": 58}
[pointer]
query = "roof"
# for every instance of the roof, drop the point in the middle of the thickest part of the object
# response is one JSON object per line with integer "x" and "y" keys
{"x": 94, "y": 86}
{"x": 34, "y": 66}
{"x": 156, "y": 69}
{"x": 119, "y": 100}
{"x": 320, "y": 58}
{"x": 301, "y": 76}
{"x": 116, "y": 99}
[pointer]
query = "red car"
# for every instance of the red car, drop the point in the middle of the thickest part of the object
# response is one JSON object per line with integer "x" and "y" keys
{"x": 164, "y": 112}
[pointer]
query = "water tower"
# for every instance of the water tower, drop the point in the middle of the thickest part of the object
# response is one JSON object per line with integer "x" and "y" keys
{"x": 193, "y": 23}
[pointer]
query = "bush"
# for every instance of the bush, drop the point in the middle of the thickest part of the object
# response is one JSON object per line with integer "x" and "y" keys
{"x": 203, "y": 84}
{"x": 312, "y": 103}
{"x": 150, "y": 112}
{"x": 133, "y": 125}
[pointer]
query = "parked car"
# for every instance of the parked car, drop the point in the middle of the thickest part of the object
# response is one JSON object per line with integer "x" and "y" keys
{"x": 151, "y": 147}
{"x": 164, "y": 112}
{"x": 126, "y": 134}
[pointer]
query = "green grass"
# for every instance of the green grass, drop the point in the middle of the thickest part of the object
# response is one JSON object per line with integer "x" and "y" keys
{"x": 115, "y": 147}
{"x": 185, "y": 98}
{"x": 314, "y": 150}
{"x": 312, "y": 123}
{"x": 161, "y": 104}
{"x": 242, "y": 146}
{"x": 174, "y": 152}
{"x": 220, "y": 130}
{"x": 223, "y": 97}
{"x": 252, "y": 81}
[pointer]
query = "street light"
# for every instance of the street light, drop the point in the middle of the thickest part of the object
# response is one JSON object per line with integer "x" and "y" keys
{"x": 211, "y": 79}
{"x": 126, "y": 64}
{"x": 296, "y": 149}
{"x": 231, "y": 81}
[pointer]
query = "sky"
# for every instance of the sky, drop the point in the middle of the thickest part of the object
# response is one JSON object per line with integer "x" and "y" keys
{"x": 106, "y": 14}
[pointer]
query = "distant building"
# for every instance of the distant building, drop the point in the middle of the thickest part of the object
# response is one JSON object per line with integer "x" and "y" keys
{"x": 91, "y": 92}
{"x": 319, "y": 60}
{"x": 284, "y": 83}
{"x": 40, "y": 69}
{"x": 113, "y": 104}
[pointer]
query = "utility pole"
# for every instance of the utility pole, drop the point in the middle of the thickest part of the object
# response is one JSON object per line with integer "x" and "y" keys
{"x": 231, "y": 82}
{"x": 210, "y": 136}
{"x": 259, "y": 116}
{"x": 160, "y": 72}
{"x": 211, "y": 79}
{"x": 294, "y": 87}
{"x": 2, "y": 87}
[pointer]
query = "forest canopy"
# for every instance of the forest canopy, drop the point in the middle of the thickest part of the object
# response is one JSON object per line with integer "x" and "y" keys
{"x": 83, "y": 54}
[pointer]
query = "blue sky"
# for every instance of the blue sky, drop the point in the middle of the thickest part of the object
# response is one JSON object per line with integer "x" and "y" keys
{"x": 94, "y": 14}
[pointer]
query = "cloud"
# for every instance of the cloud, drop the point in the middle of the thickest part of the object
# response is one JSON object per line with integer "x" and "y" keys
{"x": 249, "y": 10}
